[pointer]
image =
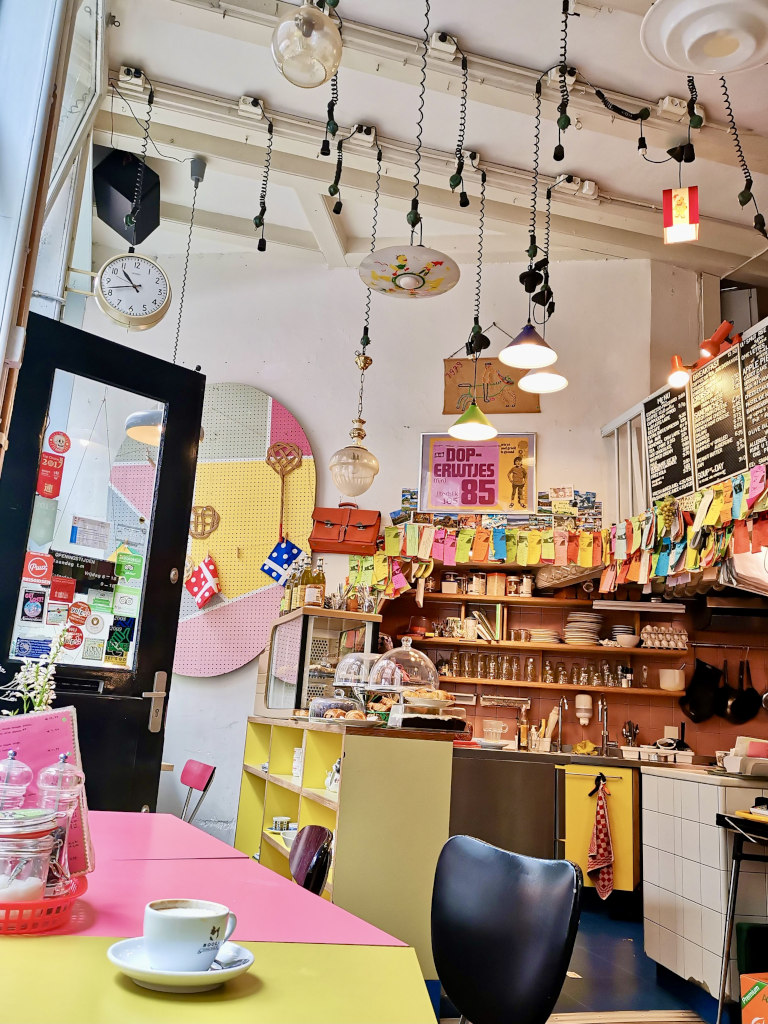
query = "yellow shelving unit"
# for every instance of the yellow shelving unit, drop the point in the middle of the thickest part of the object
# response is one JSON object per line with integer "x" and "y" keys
{"x": 389, "y": 817}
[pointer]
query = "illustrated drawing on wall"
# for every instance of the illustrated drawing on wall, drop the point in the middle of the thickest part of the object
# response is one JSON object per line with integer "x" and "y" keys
{"x": 236, "y": 518}
{"x": 497, "y": 387}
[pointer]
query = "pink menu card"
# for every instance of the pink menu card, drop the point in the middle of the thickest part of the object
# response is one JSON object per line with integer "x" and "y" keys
{"x": 38, "y": 739}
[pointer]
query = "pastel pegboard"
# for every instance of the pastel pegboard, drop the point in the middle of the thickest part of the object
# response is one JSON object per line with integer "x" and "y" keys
{"x": 239, "y": 424}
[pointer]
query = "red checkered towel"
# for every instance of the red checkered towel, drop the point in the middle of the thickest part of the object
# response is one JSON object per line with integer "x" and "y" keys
{"x": 600, "y": 857}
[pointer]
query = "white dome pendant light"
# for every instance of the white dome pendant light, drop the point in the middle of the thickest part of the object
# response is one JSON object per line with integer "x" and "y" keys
{"x": 473, "y": 424}
{"x": 353, "y": 468}
{"x": 306, "y": 45}
{"x": 412, "y": 271}
{"x": 706, "y": 37}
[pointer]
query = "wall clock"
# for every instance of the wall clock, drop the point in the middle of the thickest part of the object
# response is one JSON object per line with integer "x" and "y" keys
{"x": 133, "y": 290}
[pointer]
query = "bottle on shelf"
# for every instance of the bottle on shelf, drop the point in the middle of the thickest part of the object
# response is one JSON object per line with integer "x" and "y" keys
{"x": 288, "y": 591}
{"x": 315, "y": 592}
{"x": 304, "y": 580}
{"x": 522, "y": 729}
{"x": 296, "y": 588}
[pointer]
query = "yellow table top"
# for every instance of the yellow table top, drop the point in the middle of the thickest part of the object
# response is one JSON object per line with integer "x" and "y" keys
{"x": 68, "y": 980}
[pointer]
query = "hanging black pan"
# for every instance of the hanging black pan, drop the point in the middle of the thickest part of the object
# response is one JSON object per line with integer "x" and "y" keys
{"x": 745, "y": 705}
{"x": 698, "y": 701}
{"x": 725, "y": 695}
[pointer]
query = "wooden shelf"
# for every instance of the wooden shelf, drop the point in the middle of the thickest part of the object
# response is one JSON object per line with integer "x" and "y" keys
{"x": 522, "y": 602}
{"x": 253, "y": 770}
{"x": 647, "y": 691}
{"x": 564, "y": 649}
{"x": 273, "y": 841}
{"x": 286, "y": 781}
{"x": 322, "y": 796}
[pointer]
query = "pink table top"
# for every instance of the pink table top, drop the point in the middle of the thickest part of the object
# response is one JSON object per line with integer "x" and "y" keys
{"x": 269, "y": 908}
{"x": 120, "y": 835}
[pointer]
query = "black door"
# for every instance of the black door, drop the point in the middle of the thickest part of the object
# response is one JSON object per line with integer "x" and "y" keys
{"x": 95, "y": 498}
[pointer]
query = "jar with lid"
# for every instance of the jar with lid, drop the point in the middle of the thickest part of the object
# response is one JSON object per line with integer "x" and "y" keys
{"x": 59, "y": 787}
{"x": 404, "y": 666}
{"x": 15, "y": 776}
{"x": 476, "y": 584}
{"x": 338, "y": 707}
{"x": 26, "y": 844}
{"x": 530, "y": 670}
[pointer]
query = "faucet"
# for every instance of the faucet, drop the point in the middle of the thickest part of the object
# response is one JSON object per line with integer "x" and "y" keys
{"x": 563, "y": 704}
{"x": 602, "y": 716}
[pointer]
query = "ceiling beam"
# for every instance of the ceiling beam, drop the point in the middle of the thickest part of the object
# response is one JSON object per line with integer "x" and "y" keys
{"x": 394, "y": 56}
{"x": 241, "y": 228}
{"x": 325, "y": 224}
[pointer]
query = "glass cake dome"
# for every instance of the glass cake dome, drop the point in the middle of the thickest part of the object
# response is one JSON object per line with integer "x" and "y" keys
{"x": 403, "y": 666}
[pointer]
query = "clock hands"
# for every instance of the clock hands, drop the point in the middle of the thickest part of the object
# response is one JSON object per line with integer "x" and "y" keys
{"x": 125, "y": 275}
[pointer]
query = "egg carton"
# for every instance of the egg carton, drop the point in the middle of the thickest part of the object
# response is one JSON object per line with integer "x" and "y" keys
{"x": 665, "y": 636}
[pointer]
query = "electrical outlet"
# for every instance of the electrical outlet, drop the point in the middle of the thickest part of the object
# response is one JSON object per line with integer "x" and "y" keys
{"x": 672, "y": 108}
{"x": 131, "y": 80}
{"x": 589, "y": 189}
{"x": 364, "y": 135}
{"x": 443, "y": 49}
{"x": 470, "y": 155}
{"x": 553, "y": 78}
{"x": 572, "y": 186}
{"x": 250, "y": 107}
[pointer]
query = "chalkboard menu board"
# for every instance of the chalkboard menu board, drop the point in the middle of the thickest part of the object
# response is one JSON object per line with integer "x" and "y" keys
{"x": 668, "y": 443}
{"x": 719, "y": 436}
{"x": 754, "y": 379}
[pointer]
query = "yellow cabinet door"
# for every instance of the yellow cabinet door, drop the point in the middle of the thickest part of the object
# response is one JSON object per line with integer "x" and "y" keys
{"x": 623, "y": 818}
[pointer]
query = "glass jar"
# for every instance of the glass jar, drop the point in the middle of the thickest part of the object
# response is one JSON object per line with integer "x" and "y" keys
{"x": 530, "y": 670}
{"x": 15, "y": 776}
{"x": 26, "y": 844}
{"x": 455, "y": 664}
{"x": 482, "y": 666}
{"x": 476, "y": 584}
{"x": 328, "y": 708}
{"x": 549, "y": 672}
{"x": 575, "y": 676}
{"x": 468, "y": 664}
{"x": 403, "y": 666}
{"x": 506, "y": 667}
{"x": 354, "y": 669}
{"x": 58, "y": 788}
{"x": 494, "y": 666}
{"x": 561, "y": 674}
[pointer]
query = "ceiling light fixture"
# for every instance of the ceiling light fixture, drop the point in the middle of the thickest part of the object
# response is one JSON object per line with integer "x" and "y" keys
{"x": 306, "y": 45}
{"x": 353, "y": 468}
{"x": 542, "y": 382}
{"x": 412, "y": 271}
{"x": 473, "y": 424}
{"x": 527, "y": 350}
{"x": 146, "y": 426}
{"x": 258, "y": 220}
{"x": 680, "y": 374}
{"x": 681, "y": 214}
{"x": 745, "y": 196}
{"x": 710, "y": 347}
{"x": 708, "y": 37}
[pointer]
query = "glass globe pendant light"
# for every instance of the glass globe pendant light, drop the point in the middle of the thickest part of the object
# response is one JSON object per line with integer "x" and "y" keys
{"x": 306, "y": 46}
{"x": 411, "y": 271}
{"x": 473, "y": 424}
{"x": 353, "y": 468}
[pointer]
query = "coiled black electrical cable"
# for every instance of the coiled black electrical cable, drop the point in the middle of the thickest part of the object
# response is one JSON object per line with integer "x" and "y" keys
{"x": 374, "y": 229}
{"x": 138, "y": 188}
{"x": 735, "y": 133}
{"x": 414, "y": 218}
{"x": 480, "y": 233}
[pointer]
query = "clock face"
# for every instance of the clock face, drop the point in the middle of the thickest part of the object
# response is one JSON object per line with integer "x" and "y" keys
{"x": 133, "y": 290}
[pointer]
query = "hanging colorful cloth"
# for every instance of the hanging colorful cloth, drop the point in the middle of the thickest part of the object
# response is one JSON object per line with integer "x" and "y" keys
{"x": 600, "y": 856}
{"x": 279, "y": 561}
{"x": 204, "y": 582}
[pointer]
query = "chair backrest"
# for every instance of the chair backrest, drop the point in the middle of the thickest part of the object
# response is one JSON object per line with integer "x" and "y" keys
{"x": 310, "y": 857}
{"x": 503, "y": 929}
{"x": 197, "y": 775}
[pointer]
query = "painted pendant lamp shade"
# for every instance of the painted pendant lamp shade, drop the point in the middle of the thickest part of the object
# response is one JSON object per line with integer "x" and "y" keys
{"x": 409, "y": 271}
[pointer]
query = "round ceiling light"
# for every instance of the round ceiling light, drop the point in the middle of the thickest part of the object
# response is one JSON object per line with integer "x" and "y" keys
{"x": 306, "y": 46}
{"x": 542, "y": 382}
{"x": 409, "y": 271}
{"x": 711, "y": 37}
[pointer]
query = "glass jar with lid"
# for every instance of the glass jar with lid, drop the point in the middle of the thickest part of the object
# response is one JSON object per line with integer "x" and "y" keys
{"x": 337, "y": 708}
{"x": 59, "y": 787}
{"x": 26, "y": 843}
{"x": 354, "y": 670}
{"x": 15, "y": 777}
{"x": 404, "y": 667}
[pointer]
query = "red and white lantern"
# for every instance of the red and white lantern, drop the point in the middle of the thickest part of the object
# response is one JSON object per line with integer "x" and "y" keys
{"x": 681, "y": 214}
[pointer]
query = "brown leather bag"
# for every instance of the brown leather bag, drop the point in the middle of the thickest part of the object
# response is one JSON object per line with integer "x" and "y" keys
{"x": 346, "y": 530}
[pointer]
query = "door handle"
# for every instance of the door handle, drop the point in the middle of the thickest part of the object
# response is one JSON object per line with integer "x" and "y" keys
{"x": 157, "y": 696}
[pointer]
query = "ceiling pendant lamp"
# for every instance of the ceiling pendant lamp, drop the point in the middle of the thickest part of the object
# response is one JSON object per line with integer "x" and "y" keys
{"x": 681, "y": 214}
{"x": 353, "y": 468}
{"x": 542, "y": 382}
{"x": 680, "y": 374}
{"x": 710, "y": 37}
{"x": 411, "y": 271}
{"x": 146, "y": 426}
{"x": 306, "y": 46}
{"x": 527, "y": 350}
{"x": 473, "y": 424}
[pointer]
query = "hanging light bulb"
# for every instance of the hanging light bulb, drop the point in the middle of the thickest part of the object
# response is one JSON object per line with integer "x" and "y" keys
{"x": 679, "y": 374}
{"x": 353, "y": 468}
{"x": 146, "y": 426}
{"x": 542, "y": 382}
{"x": 527, "y": 350}
{"x": 473, "y": 425}
{"x": 306, "y": 46}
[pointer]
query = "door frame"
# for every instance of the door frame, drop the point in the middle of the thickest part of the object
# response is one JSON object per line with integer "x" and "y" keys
{"x": 53, "y": 345}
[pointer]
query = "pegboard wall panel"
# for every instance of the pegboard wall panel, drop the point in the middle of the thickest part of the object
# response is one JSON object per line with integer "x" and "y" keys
{"x": 136, "y": 483}
{"x": 239, "y": 423}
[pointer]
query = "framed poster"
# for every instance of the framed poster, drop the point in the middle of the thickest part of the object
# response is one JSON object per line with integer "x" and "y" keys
{"x": 488, "y": 476}
{"x": 497, "y": 387}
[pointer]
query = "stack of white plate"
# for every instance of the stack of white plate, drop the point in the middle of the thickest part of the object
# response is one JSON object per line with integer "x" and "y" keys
{"x": 545, "y": 636}
{"x": 583, "y": 628}
{"x": 617, "y": 631}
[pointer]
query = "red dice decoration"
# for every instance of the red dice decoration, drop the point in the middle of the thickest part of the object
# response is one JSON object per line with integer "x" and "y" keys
{"x": 204, "y": 582}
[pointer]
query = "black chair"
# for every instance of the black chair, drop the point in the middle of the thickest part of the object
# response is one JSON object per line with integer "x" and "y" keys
{"x": 503, "y": 929}
{"x": 310, "y": 857}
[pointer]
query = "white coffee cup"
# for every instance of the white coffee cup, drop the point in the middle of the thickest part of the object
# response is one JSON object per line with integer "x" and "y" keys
{"x": 185, "y": 935}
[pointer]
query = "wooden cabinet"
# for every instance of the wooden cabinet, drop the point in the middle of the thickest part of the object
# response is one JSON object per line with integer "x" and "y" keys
{"x": 623, "y": 817}
{"x": 390, "y": 815}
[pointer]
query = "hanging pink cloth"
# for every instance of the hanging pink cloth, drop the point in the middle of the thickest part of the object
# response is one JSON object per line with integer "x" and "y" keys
{"x": 600, "y": 857}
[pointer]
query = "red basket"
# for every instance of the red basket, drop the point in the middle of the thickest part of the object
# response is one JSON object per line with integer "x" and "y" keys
{"x": 44, "y": 915}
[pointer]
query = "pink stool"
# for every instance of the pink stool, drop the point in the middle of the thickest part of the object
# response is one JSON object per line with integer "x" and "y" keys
{"x": 197, "y": 776}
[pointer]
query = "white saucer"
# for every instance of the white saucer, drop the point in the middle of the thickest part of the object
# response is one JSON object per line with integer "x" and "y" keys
{"x": 492, "y": 744}
{"x": 130, "y": 956}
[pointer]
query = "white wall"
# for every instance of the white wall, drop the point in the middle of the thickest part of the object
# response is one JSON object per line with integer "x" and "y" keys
{"x": 293, "y": 333}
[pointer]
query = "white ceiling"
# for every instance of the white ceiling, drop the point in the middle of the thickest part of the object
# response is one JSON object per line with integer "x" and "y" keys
{"x": 212, "y": 59}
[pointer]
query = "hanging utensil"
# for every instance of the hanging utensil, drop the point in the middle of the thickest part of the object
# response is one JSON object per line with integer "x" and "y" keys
{"x": 746, "y": 703}
{"x": 698, "y": 701}
{"x": 726, "y": 695}
{"x": 284, "y": 458}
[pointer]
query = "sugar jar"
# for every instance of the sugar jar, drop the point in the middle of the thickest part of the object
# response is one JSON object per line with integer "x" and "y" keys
{"x": 26, "y": 843}
{"x": 58, "y": 788}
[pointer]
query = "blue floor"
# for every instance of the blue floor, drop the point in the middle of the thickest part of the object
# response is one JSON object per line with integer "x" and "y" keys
{"x": 615, "y": 973}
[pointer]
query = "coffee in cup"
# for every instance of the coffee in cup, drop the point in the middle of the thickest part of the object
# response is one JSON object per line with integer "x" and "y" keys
{"x": 185, "y": 935}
